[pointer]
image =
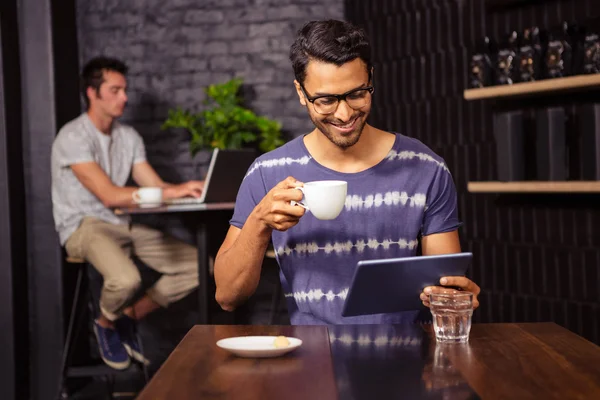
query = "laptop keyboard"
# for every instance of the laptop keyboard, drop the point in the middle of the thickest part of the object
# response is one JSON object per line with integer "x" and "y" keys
{"x": 185, "y": 200}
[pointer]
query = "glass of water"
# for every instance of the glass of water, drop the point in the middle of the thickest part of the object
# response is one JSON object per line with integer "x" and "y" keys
{"x": 452, "y": 314}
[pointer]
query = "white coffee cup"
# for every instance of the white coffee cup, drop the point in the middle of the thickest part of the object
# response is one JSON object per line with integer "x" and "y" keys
{"x": 148, "y": 196}
{"x": 324, "y": 199}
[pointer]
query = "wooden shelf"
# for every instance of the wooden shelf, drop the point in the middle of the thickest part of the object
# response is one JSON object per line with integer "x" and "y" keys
{"x": 579, "y": 82}
{"x": 511, "y": 3}
{"x": 535, "y": 187}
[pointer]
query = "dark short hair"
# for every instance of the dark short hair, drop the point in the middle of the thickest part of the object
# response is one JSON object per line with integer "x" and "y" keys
{"x": 92, "y": 74}
{"x": 331, "y": 41}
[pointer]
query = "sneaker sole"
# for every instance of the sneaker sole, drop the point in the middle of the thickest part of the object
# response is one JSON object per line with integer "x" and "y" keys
{"x": 115, "y": 365}
{"x": 118, "y": 366}
{"x": 136, "y": 355}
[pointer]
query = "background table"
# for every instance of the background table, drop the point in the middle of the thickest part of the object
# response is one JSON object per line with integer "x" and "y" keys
{"x": 501, "y": 361}
{"x": 202, "y": 241}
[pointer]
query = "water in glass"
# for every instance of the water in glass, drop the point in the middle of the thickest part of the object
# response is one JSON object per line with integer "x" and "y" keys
{"x": 452, "y": 314}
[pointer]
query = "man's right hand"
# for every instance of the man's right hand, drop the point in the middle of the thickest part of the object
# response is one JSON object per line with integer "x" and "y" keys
{"x": 275, "y": 209}
{"x": 186, "y": 189}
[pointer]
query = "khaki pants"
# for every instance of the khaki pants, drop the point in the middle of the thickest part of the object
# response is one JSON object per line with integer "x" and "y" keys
{"x": 109, "y": 247}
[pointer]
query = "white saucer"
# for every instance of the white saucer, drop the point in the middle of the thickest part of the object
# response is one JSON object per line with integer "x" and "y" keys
{"x": 257, "y": 346}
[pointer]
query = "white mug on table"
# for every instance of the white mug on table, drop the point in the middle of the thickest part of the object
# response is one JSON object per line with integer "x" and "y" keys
{"x": 148, "y": 196}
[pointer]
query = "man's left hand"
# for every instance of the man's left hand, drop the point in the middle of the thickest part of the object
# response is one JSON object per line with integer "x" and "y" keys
{"x": 452, "y": 281}
{"x": 187, "y": 189}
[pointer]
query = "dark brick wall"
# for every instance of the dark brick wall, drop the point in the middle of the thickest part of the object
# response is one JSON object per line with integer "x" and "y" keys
{"x": 176, "y": 48}
{"x": 537, "y": 258}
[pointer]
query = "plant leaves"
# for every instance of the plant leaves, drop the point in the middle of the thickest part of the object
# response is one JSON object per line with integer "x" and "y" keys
{"x": 225, "y": 123}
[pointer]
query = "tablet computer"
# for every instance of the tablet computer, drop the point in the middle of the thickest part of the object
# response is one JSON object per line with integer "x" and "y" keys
{"x": 394, "y": 284}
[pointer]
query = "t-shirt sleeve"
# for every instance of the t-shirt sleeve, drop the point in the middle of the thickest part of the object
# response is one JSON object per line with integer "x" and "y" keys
{"x": 73, "y": 147}
{"x": 251, "y": 192}
{"x": 139, "y": 150}
{"x": 441, "y": 214}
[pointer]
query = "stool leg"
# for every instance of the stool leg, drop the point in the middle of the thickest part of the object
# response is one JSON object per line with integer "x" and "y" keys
{"x": 144, "y": 367}
{"x": 69, "y": 338}
{"x": 140, "y": 344}
{"x": 110, "y": 386}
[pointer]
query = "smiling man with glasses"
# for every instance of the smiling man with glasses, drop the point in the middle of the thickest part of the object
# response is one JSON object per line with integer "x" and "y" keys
{"x": 400, "y": 193}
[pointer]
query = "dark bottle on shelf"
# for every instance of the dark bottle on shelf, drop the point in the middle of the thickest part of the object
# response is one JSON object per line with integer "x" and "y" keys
{"x": 558, "y": 58}
{"x": 576, "y": 37}
{"x": 481, "y": 67}
{"x": 530, "y": 55}
{"x": 591, "y": 54}
{"x": 506, "y": 62}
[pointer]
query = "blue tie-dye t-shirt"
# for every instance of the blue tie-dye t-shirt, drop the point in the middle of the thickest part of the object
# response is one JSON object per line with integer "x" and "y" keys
{"x": 388, "y": 207}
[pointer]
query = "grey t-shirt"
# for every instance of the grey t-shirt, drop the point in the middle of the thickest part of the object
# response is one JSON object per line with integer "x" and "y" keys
{"x": 79, "y": 141}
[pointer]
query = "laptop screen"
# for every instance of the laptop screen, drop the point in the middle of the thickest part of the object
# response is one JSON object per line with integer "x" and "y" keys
{"x": 225, "y": 174}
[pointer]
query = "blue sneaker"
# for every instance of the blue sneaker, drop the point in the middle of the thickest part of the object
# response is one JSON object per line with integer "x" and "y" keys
{"x": 111, "y": 348}
{"x": 126, "y": 327}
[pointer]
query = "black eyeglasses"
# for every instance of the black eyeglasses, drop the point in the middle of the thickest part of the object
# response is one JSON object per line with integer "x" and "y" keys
{"x": 328, "y": 103}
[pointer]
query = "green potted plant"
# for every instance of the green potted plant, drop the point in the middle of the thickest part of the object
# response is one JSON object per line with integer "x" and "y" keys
{"x": 225, "y": 123}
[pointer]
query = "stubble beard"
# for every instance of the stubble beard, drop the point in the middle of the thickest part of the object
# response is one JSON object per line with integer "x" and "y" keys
{"x": 343, "y": 142}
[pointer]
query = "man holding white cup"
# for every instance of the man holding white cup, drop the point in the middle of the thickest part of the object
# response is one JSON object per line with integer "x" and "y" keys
{"x": 92, "y": 158}
{"x": 399, "y": 192}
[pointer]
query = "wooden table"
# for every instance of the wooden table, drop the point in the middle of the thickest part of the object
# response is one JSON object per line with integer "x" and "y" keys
{"x": 202, "y": 241}
{"x": 501, "y": 361}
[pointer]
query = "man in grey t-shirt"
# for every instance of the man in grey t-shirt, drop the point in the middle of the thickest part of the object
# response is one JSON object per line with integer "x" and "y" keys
{"x": 92, "y": 159}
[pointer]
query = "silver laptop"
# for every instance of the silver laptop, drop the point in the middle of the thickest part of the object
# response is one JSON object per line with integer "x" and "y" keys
{"x": 225, "y": 175}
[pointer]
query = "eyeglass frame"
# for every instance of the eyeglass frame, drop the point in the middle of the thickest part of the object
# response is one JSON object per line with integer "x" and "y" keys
{"x": 339, "y": 97}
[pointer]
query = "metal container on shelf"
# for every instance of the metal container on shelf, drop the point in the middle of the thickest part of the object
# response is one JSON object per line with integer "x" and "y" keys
{"x": 510, "y": 146}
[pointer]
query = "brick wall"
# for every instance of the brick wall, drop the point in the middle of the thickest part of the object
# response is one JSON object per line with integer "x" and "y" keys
{"x": 176, "y": 48}
{"x": 537, "y": 258}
